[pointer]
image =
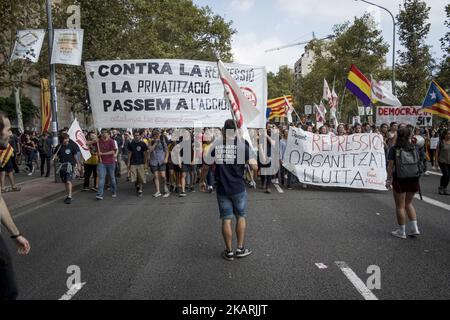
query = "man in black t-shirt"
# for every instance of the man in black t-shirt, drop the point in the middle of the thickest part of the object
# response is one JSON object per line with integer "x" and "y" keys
{"x": 137, "y": 161}
{"x": 66, "y": 154}
{"x": 230, "y": 159}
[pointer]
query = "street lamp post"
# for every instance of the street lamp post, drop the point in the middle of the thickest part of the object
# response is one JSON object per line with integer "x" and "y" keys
{"x": 393, "y": 42}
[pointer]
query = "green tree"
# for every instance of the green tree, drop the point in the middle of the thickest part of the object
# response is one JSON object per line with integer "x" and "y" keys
{"x": 280, "y": 84}
{"x": 141, "y": 29}
{"x": 16, "y": 15}
{"x": 359, "y": 43}
{"x": 416, "y": 64}
{"x": 443, "y": 76}
{"x": 29, "y": 110}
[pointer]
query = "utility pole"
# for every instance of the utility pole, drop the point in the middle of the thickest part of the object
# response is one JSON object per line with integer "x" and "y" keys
{"x": 52, "y": 75}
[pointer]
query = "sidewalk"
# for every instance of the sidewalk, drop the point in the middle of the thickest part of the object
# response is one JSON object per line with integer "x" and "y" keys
{"x": 35, "y": 192}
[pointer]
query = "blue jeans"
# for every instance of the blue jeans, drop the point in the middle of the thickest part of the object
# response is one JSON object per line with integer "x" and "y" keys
{"x": 234, "y": 205}
{"x": 103, "y": 170}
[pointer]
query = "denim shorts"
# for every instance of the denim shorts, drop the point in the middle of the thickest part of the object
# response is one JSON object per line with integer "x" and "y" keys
{"x": 235, "y": 205}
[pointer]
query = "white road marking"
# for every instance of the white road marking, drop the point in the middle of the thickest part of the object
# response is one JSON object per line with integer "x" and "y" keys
{"x": 357, "y": 282}
{"x": 72, "y": 291}
{"x": 434, "y": 202}
{"x": 278, "y": 188}
{"x": 321, "y": 266}
{"x": 435, "y": 173}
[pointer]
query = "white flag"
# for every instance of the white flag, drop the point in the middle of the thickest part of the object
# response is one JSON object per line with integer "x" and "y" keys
{"x": 290, "y": 110}
{"x": 244, "y": 111}
{"x": 76, "y": 135}
{"x": 321, "y": 111}
{"x": 67, "y": 46}
{"x": 333, "y": 107}
{"x": 28, "y": 45}
{"x": 326, "y": 91}
{"x": 382, "y": 94}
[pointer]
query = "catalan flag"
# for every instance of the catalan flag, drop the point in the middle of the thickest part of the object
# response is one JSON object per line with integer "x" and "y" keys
{"x": 5, "y": 155}
{"x": 278, "y": 107}
{"x": 437, "y": 101}
{"x": 359, "y": 85}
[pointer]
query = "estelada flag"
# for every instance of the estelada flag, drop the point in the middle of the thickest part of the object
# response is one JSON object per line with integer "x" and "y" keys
{"x": 437, "y": 101}
{"x": 5, "y": 155}
{"x": 46, "y": 111}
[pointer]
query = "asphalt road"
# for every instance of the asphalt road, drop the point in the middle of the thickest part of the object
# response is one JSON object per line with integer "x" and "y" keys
{"x": 131, "y": 248}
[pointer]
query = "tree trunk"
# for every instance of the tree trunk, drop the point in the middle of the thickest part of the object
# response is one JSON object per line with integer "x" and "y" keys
{"x": 18, "y": 109}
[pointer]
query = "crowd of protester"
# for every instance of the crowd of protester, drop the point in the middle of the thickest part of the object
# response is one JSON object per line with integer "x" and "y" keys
{"x": 137, "y": 153}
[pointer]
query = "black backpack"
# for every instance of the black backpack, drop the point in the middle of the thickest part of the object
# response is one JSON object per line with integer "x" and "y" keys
{"x": 407, "y": 163}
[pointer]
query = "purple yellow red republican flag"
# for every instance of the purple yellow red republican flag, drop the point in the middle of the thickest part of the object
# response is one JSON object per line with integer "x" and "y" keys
{"x": 359, "y": 85}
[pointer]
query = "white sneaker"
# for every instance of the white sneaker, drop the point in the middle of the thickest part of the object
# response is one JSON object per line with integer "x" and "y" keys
{"x": 397, "y": 233}
{"x": 427, "y": 173}
{"x": 413, "y": 233}
{"x": 30, "y": 174}
{"x": 166, "y": 195}
{"x": 158, "y": 194}
{"x": 114, "y": 195}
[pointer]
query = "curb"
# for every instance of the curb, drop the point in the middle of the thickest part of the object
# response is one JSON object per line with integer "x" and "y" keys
{"x": 49, "y": 197}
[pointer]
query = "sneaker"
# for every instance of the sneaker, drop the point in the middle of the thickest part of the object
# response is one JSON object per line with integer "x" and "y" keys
{"x": 241, "y": 253}
{"x": 228, "y": 255}
{"x": 68, "y": 200}
{"x": 183, "y": 194}
{"x": 30, "y": 174}
{"x": 426, "y": 173}
{"x": 210, "y": 189}
{"x": 94, "y": 189}
{"x": 166, "y": 195}
{"x": 157, "y": 195}
{"x": 114, "y": 195}
{"x": 99, "y": 197}
{"x": 268, "y": 190}
{"x": 414, "y": 233}
{"x": 139, "y": 193}
{"x": 397, "y": 233}
{"x": 85, "y": 189}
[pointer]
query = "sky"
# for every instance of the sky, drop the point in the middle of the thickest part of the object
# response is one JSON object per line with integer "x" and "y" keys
{"x": 266, "y": 24}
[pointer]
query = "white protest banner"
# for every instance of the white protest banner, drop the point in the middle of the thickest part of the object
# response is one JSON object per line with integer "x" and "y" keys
{"x": 434, "y": 143}
{"x": 67, "y": 46}
{"x": 408, "y": 115}
{"x": 76, "y": 135}
{"x": 169, "y": 93}
{"x": 354, "y": 161}
{"x": 28, "y": 45}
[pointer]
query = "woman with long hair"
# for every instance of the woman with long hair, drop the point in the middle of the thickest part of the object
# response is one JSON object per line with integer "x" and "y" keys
{"x": 443, "y": 158}
{"x": 404, "y": 189}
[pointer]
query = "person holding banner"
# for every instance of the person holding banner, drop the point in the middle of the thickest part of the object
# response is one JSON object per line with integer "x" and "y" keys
{"x": 403, "y": 178}
{"x": 159, "y": 154}
{"x": 66, "y": 154}
{"x": 137, "y": 161}
{"x": 107, "y": 152}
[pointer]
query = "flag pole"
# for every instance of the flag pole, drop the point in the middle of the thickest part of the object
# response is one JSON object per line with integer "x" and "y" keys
{"x": 253, "y": 183}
